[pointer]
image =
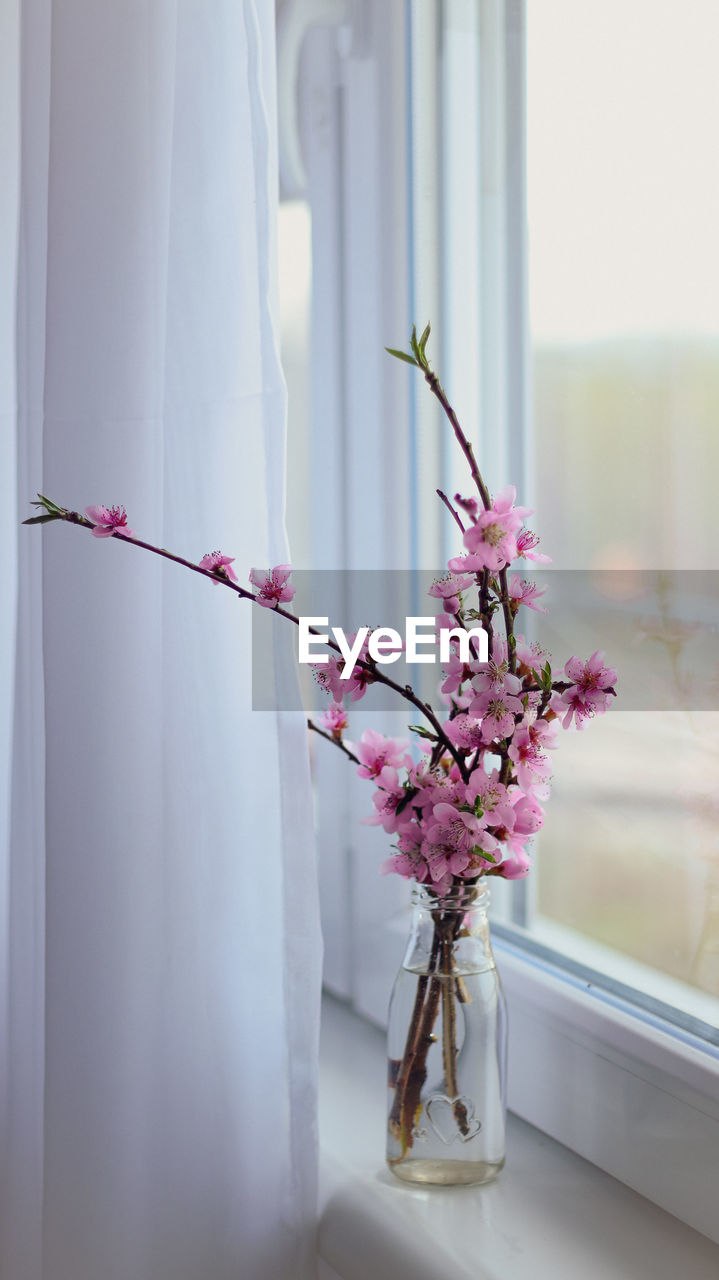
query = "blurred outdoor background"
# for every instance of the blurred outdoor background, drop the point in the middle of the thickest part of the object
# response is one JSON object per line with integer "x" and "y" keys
{"x": 623, "y": 199}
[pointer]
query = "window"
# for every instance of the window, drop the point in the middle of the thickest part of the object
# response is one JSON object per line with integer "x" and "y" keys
{"x": 624, "y": 274}
{"x": 536, "y": 179}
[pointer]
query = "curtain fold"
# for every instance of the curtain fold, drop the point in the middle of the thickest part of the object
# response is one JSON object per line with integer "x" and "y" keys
{"x": 159, "y": 893}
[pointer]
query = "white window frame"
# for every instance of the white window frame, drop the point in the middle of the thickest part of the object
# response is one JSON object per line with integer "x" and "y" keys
{"x": 630, "y": 1092}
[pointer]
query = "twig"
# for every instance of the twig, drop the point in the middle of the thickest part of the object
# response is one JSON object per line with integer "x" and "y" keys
{"x": 449, "y": 1030}
{"x": 454, "y": 514}
{"x": 404, "y": 691}
{"x": 437, "y": 390}
{"x": 337, "y": 742}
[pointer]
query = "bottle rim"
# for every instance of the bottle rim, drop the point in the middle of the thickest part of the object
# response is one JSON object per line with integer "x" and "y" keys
{"x": 467, "y": 896}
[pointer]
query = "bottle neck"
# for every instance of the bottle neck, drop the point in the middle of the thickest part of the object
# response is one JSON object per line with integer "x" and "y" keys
{"x": 450, "y": 934}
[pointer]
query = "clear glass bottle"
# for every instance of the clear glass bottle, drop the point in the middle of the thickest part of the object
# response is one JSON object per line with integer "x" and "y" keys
{"x": 447, "y": 1045}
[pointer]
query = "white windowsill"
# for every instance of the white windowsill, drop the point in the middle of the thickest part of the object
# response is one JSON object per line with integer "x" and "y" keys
{"x": 549, "y": 1215}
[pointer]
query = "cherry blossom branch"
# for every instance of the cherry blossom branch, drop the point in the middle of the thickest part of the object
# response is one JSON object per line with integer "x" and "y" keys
{"x": 420, "y": 361}
{"x": 439, "y": 393}
{"x": 53, "y": 512}
{"x": 484, "y": 614}
{"x": 450, "y": 509}
{"x": 337, "y": 742}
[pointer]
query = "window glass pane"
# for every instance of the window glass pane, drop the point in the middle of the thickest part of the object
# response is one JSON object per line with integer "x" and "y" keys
{"x": 623, "y": 200}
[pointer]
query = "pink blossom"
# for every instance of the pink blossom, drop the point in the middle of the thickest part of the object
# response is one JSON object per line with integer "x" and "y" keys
{"x": 591, "y": 675}
{"x": 530, "y": 657}
{"x": 517, "y": 866}
{"x": 447, "y": 590}
{"x": 385, "y": 800}
{"x": 452, "y": 841}
{"x": 497, "y": 707}
{"x": 448, "y": 856}
{"x": 573, "y": 704}
{"x": 377, "y": 753}
{"x": 544, "y": 732}
{"x": 456, "y": 674}
{"x": 409, "y": 839}
{"x": 410, "y": 865}
{"x": 531, "y": 699}
{"x": 470, "y": 505}
{"x": 504, "y": 506}
{"x": 334, "y": 720}
{"x": 498, "y": 716}
{"x": 432, "y": 788}
{"x": 462, "y": 565}
{"x": 455, "y": 827}
{"x": 447, "y": 862}
{"x": 526, "y": 542}
{"x": 419, "y": 775}
{"x": 493, "y": 797}
{"x": 491, "y": 539}
{"x": 215, "y": 562}
{"x": 272, "y": 585}
{"x": 498, "y": 654}
{"x": 526, "y": 820}
{"x": 329, "y": 674}
{"x": 465, "y": 733}
{"x": 528, "y": 815}
{"x": 329, "y": 677}
{"x": 477, "y": 863}
{"x": 359, "y": 683}
{"x": 521, "y": 591}
{"x": 108, "y": 520}
{"x": 531, "y": 765}
{"x": 493, "y": 672}
{"x": 587, "y": 695}
{"x": 492, "y": 677}
{"x": 444, "y": 861}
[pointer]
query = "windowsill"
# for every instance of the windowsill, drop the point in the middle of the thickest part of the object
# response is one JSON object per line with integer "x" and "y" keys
{"x": 550, "y": 1213}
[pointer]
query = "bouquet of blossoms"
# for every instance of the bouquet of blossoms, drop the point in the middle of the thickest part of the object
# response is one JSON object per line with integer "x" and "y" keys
{"x": 470, "y": 806}
{"x": 465, "y": 807}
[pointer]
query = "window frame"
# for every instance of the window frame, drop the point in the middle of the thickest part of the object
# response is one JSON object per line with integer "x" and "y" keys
{"x": 631, "y": 1093}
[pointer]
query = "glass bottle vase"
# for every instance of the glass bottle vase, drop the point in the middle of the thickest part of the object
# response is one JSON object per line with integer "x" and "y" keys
{"x": 447, "y": 1045}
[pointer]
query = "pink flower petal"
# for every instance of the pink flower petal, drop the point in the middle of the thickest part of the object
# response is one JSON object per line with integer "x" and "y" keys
{"x": 100, "y": 515}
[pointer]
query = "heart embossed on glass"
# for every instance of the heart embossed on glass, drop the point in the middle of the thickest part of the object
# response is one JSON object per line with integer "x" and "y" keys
{"x": 442, "y": 1115}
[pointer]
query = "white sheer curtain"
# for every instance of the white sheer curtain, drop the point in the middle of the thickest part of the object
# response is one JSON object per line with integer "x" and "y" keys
{"x": 161, "y": 954}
